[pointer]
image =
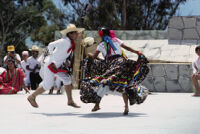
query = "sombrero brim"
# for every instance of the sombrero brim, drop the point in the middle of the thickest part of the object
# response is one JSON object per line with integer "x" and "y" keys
{"x": 33, "y": 49}
{"x": 65, "y": 31}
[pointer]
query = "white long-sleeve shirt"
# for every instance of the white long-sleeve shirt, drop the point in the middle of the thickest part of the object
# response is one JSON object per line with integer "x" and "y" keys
{"x": 196, "y": 66}
{"x": 58, "y": 50}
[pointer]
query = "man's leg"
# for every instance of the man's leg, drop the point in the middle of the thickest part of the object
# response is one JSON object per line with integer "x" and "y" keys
{"x": 46, "y": 84}
{"x": 38, "y": 78}
{"x": 32, "y": 79}
{"x": 33, "y": 96}
{"x": 196, "y": 84}
{"x": 68, "y": 89}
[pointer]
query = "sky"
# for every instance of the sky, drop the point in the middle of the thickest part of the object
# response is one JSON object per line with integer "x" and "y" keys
{"x": 190, "y": 8}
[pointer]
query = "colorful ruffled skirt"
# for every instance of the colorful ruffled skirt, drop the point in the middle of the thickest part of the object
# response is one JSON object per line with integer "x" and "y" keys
{"x": 116, "y": 75}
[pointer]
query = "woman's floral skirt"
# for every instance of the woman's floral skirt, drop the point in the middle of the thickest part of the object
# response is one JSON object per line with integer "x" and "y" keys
{"x": 118, "y": 74}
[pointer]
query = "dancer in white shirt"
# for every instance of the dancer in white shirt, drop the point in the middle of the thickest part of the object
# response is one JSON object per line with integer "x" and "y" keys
{"x": 196, "y": 72}
{"x": 60, "y": 64}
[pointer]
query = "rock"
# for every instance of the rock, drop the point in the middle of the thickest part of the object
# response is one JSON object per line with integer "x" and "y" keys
{"x": 189, "y": 22}
{"x": 158, "y": 70}
{"x": 176, "y": 22}
{"x": 173, "y": 86}
{"x": 175, "y": 34}
{"x": 190, "y": 34}
{"x": 159, "y": 84}
{"x": 171, "y": 71}
{"x": 186, "y": 84}
{"x": 148, "y": 82}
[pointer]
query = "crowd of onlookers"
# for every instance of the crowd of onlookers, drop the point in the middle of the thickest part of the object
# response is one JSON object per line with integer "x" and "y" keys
{"x": 18, "y": 73}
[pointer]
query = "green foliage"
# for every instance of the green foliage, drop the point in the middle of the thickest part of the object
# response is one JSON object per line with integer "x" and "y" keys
{"x": 133, "y": 15}
{"x": 20, "y": 19}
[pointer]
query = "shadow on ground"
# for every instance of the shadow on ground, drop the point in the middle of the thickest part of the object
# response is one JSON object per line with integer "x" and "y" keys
{"x": 95, "y": 115}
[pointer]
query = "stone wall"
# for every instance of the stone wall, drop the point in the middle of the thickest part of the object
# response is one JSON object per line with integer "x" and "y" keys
{"x": 169, "y": 77}
{"x": 184, "y": 28}
{"x": 134, "y": 34}
{"x": 164, "y": 50}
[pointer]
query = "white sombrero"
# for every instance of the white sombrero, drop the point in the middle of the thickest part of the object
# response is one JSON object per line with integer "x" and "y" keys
{"x": 34, "y": 48}
{"x": 89, "y": 41}
{"x": 71, "y": 28}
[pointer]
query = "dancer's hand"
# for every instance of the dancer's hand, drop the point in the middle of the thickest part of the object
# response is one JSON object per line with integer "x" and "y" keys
{"x": 26, "y": 89}
{"x": 139, "y": 53}
{"x": 90, "y": 55}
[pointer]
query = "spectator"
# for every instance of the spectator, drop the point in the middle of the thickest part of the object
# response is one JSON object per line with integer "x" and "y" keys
{"x": 196, "y": 72}
{"x": 12, "y": 79}
{"x": 12, "y": 55}
{"x": 34, "y": 67}
{"x": 24, "y": 63}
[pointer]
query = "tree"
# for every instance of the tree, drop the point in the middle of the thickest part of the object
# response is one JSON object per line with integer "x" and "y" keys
{"x": 20, "y": 19}
{"x": 124, "y": 14}
{"x": 56, "y": 20}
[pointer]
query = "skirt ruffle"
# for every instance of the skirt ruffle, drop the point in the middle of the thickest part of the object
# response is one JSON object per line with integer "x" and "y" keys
{"x": 119, "y": 75}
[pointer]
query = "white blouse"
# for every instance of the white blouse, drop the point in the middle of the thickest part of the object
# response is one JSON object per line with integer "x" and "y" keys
{"x": 117, "y": 42}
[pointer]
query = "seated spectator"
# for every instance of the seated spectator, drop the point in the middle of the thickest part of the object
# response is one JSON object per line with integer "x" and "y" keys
{"x": 12, "y": 55}
{"x": 34, "y": 67}
{"x": 12, "y": 79}
{"x": 196, "y": 72}
{"x": 24, "y": 63}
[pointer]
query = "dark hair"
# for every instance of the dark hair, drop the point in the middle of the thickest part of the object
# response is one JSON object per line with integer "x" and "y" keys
{"x": 13, "y": 61}
{"x": 197, "y": 48}
{"x": 105, "y": 30}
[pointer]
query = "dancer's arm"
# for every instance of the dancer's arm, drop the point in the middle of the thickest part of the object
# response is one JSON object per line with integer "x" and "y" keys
{"x": 130, "y": 49}
{"x": 51, "y": 47}
{"x": 93, "y": 55}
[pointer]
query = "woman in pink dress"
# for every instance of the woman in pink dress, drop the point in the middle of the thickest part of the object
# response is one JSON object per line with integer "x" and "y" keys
{"x": 12, "y": 79}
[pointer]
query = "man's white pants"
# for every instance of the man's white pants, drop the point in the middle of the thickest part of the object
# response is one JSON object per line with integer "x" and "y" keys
{"x": 48, "y": 78}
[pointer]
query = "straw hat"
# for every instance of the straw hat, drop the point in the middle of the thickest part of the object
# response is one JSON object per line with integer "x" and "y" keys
{"x": 89, "y": 41}
{"x": 71, "y": 28}
{"x": 10, "y": 48}
{"x": 34, "y": 48}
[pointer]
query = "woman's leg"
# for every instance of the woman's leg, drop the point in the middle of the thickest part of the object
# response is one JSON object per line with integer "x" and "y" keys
{"x": 125, "y": 98}
{"x": 96, "y": 107}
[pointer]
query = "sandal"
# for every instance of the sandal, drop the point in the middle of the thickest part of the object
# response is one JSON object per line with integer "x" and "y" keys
{"x": 95, "y": 109}
{"x": 125, "y": 112}
{"x": 32, "y": 101}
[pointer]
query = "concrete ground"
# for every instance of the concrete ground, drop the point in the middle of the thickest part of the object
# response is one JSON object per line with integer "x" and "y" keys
{"x": 161, "y": 113}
